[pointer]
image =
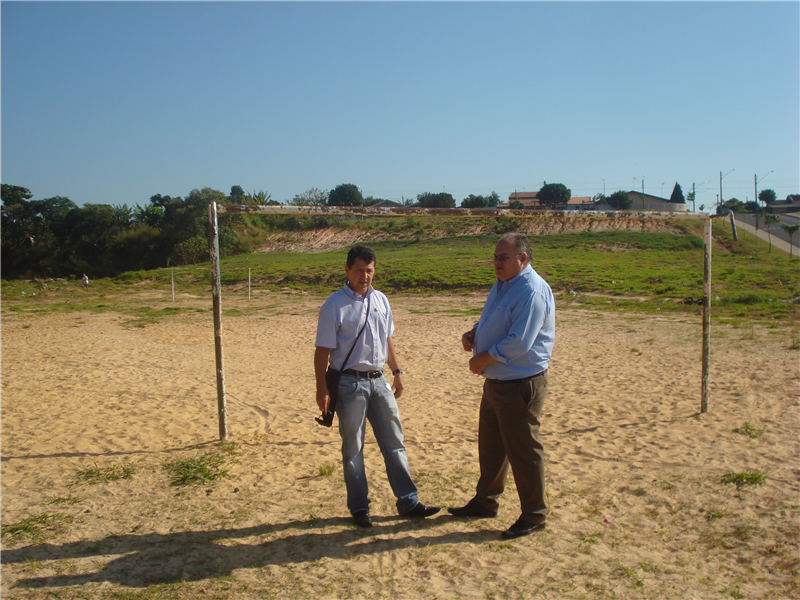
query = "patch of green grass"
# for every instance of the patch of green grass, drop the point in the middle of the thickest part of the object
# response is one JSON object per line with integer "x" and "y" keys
{"x": 97, "y": 474}
{"x": 68, "y": 499}
{"x": 712, "y": 515}
{"x": 744, "y": 478}
{"x": 200, "y": 469}
{"x": 748, "y": 430}
{"x": 35, "y": 528}
{"x": 327, "y": 469}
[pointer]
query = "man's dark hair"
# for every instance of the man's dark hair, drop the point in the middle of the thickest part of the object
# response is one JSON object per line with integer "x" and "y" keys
{"x": 365, "y": 253}
{"x": 521, "y": 243}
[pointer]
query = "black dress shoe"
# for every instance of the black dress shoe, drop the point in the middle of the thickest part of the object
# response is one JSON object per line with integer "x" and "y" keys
{"x": 422, "y": 511}
{"x": 520, "y": 528}
{"x": 361, "y": 519}
{"x": 472, "y": 509}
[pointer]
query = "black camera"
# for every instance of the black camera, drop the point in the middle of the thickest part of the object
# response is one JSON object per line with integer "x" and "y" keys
{"x": 325, "y": 420}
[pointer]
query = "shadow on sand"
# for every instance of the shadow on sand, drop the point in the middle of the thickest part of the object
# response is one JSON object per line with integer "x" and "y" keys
{"x": 148, "y": 559}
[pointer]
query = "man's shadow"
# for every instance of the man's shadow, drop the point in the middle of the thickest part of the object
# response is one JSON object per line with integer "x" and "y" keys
{"x": 196, "y": 555}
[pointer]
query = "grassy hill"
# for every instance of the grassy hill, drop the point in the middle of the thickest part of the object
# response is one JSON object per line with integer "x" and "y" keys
{"x": 591, "y": 266}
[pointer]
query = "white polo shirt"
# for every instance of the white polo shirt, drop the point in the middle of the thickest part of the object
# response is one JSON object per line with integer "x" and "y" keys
{"x": 340, "y": 320}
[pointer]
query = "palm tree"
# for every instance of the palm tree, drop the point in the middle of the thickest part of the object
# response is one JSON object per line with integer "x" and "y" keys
{"x": 791, "y": 230}
{"x": 260, "y": 198}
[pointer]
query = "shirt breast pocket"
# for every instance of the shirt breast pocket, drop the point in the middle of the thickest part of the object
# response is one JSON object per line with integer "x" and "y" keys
{"x": 502, "y": 316}
{"x": 381, "y": 319}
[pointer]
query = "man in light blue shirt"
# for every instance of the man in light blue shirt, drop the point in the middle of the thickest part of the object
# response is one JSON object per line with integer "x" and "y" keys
{"x": 354, "y": 338}
{"x": 511, "y": 346}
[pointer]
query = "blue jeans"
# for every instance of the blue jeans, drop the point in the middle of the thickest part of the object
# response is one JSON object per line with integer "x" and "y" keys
{"x": 362, "y": 399}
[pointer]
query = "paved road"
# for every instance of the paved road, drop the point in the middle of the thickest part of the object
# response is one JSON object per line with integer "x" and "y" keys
{"x": 775, "y": 229}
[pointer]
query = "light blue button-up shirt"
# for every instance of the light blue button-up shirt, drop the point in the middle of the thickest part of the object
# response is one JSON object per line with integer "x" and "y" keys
{"x": 517, "y": 327}
{"x": 340, "y": 319}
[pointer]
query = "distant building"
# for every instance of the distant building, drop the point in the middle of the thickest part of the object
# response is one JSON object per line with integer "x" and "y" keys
{"x": 387, "y": 204}
{"x": 580, "y": 203}
{"x": 529, "y": 199}
{"x": 642, "y": 201}
{"x": 790, "y": 205}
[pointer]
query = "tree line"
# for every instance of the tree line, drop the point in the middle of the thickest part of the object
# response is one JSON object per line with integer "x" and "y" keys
{"x": 54, "y": 237}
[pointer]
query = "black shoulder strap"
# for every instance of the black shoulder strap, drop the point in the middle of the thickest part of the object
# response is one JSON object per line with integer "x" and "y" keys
{"x": 346, "y": 358}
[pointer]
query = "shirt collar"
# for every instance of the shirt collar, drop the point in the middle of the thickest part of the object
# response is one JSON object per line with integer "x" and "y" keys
{"x": 354, "y": 294}
{"x": 528, "y": 269}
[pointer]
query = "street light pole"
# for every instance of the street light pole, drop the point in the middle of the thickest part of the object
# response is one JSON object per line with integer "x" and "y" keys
{"x": 721, "y": 176}
{"x": 694, "y": 193}
{"x": 755, "y": 186}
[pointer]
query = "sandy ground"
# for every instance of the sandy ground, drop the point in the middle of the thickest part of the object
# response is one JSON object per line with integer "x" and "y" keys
{"x": 638, "y": 508}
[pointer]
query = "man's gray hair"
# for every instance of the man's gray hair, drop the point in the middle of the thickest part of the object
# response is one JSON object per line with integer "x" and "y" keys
{"x": 521, "y": 244}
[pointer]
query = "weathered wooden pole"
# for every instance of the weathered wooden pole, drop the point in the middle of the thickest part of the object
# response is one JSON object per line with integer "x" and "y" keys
{"x": 222, "y": 404}
{"x": 173, "y": 285}
{"x": 248, "y": 284}
{"x": 706, "y": 312}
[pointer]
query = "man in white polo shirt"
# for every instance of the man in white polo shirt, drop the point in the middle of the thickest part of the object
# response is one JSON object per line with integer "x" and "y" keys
{"x": 354, "y": 338}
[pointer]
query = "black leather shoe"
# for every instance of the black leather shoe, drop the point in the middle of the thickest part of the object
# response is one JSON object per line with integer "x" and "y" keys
{"x": 472, "y": 509}
{"x": 361, "y": 519}
{"x": 520, "y": 528}
{"x": 422, "y": 511}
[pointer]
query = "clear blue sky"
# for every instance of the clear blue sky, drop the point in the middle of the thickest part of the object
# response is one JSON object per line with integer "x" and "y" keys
{"x": 107, "y": 102}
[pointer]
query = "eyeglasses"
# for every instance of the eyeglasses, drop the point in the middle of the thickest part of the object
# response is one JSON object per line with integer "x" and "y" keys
{"x": 503, "y": 258}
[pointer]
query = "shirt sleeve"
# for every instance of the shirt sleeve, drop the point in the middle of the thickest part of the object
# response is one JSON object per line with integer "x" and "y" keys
{"x": 527, "y": 317}
{"x": 326, "y": 327}
{"x": 390, "y": 320}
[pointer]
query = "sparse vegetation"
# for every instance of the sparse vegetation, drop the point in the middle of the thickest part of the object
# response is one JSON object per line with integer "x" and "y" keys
{"x": 326, "y": 469}
{"x": 97, "y": 474}
{"x": 200, "y": 469}
{"x": 748, "y": 430}
{"x": 744, "y": 478}
{"x": 35, "y": 528}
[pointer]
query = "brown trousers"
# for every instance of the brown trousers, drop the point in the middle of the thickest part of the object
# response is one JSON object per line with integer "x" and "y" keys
{"x": 508, "y": 434}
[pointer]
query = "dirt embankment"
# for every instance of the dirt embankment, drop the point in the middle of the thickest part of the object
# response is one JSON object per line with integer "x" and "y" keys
{"x": 334, "y": 238}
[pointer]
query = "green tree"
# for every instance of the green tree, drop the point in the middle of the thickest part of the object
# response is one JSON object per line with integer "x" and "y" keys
{"x": 620, "y": 200}
{"x": 791, "y": 230}
{"x": 770, "y": 220}
{"x": 733, "y": 205}
{"x": 32, "y": 233}
{"x": 237, "y": 195}
{"x": 516, "y": 205}
{"x": 677, "y": 195}
{"x": 259, "y": 198}
{"x": 473, "y": 201}
{"x": 480, "y": 201}
{"x": 346, "y": 194}
{"x": 91, "y": 233}
{"x": 149, "y": 215}
{"x": 553, "y": 194}
{"x": 312, "y": 197}
{"x": 767, "y": 197}
{"x": 440, "y": 200}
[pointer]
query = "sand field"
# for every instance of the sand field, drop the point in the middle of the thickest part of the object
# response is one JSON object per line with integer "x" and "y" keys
{"x": 638, "y": 507}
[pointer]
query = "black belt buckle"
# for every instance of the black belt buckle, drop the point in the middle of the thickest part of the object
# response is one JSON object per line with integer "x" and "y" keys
{"x": 373, "y": 374}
